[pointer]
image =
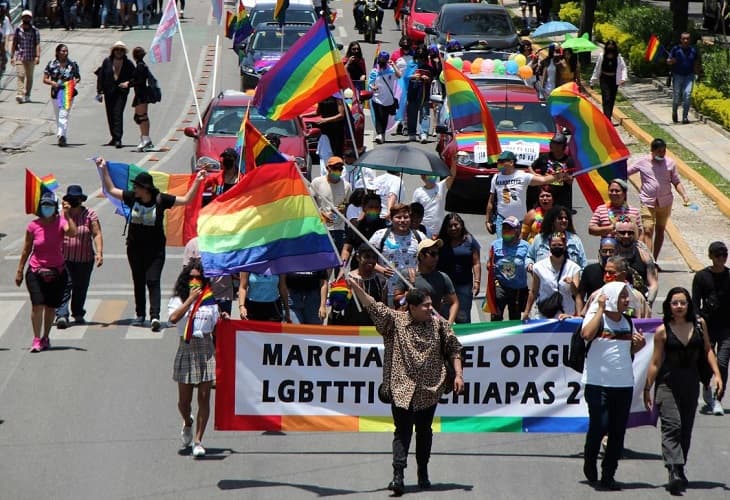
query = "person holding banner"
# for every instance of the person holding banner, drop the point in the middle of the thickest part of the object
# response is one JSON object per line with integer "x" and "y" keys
{"x": 262, "y": 297}
{"x": 58, "y": 73}
{"x": 417, "y": 344}
{"x": 682, "y": 353}
{"x": 195, "y": 358}
{"x": 608, "y": 380}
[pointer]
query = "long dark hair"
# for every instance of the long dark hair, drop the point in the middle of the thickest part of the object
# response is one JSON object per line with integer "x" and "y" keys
{"x": 182, "y": 285}
{"x": 444, "y": 231}
{"x": 548, "y": 221}
{"x": 353, "y": 44}
{"x": 690, "y": 316}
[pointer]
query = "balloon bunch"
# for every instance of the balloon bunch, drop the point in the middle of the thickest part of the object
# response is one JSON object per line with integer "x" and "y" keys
{"x": 516, "y": 65}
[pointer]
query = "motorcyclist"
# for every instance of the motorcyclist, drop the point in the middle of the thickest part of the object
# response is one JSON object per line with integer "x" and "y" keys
{"x": 358, "y": 12}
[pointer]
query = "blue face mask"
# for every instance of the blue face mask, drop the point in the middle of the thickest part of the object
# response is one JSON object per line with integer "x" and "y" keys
{"x": 47, "y": 210}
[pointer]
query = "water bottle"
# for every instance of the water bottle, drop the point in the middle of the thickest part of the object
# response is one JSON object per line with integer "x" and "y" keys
{"x": 694, "y": 207}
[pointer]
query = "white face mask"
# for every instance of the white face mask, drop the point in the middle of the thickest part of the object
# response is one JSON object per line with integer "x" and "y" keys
{"x": 658, "y": 158}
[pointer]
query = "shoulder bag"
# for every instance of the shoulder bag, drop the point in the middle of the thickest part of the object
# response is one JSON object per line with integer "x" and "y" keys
{"x": 551, "y": 305}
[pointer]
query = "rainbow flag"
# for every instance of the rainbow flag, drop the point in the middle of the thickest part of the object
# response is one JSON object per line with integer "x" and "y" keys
{"x": 267, "y": 223}
{"x": 258, "y": 150}
{"x": 490, "y": 295}
{"x": 65, "y": 95}
{"x": 161, "y": 46}
{"x": 230, "y": 24}
{"x": 652, "y": 49}
{"x": 596, "y": 147}
{"x": 242, "y": 25}
{"x": 309, "y": 72}
{"x": 280, "y": 10}
{"x": 467, "y": 108}
{"x": 180, "y": 221}
{"x": 35, "y": 187}
{"x": 205, "y": 298}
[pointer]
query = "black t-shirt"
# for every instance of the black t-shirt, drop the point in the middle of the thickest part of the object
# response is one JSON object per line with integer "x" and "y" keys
{"x": 367, "y": 228}
{"x": 305, "y": 280}
{"x": 591, "y": 280}
{"x": 547, "y": 164}
{"x": 711, "y": 296}
{"x": 146, "y": 220}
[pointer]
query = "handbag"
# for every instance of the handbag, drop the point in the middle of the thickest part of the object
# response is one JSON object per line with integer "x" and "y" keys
{"x": 155, "y": 92}
{"x": 553, "y": 304}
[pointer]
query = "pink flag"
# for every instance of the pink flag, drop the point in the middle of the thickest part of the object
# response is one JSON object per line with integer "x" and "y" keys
{"x": 161, "y": 48}
{"x": 217, "y": 9}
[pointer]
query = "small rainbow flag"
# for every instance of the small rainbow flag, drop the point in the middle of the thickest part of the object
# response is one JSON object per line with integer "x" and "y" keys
{"x": 230, "y": 24}
{"x": 468, "y": 108}
{"x": 242, "y": 25}
{"x": 267, "y": 223}
{"x": 205, "y": 298}
{"x": 309, "y": 72}
{"x": 490, "y": 295}
{"x": 35, "y": 187}
{"x": 652, "y": 49}
{"x": 65, "y": 95}
{"x": 258, "y": 150}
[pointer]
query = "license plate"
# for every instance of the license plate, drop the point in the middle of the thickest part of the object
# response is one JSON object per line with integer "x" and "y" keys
{"x": 526, "y": 152}
{"x": 480, "y": 152}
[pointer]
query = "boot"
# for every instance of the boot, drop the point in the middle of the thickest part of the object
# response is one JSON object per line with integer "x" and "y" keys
{"x": 423, "y": 481}
{"x": 682, "y": 476}
{"x": 396, "y": 485}
{"x": 674, "y": 484}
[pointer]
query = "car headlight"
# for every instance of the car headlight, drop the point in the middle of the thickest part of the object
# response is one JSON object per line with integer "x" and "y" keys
{"x": 249, "y": 69}
{"x": 207, "y": 163}
{"x": 419, "y": 27}
{"x": 464, "y": 158}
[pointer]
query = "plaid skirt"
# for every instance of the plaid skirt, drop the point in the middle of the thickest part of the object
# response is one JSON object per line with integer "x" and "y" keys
{"x": 195, "y": 362}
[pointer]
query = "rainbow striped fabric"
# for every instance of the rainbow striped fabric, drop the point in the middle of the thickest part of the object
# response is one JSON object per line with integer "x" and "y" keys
{"x": 65, "y": 95}
{"x": 267, "y": 223}
{"x": 242, "y": 23}
{"x": 205, "y": 298}
{"x": 652, "y": 49}
{"x": 309, "y": 72}
{"x": 180, "y": 221}
{"x": 35, "y": 187}
{"x": 596, "y": 147}
{"x": 467, "y": 108}
{"x": 258, "y": 150}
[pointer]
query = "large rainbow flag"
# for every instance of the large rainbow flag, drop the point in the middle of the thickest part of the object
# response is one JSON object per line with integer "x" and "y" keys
{"x": 467, "y": 108}
{"x": 267, "y": 223}
{"x": 180, "y": 221}
{"x": 35, "y": 187}
{"x": 596, "y": 147}
{"x": 206, "y": 298}
{"x": 65, "y": 95}
{"x": 309, "y": 72}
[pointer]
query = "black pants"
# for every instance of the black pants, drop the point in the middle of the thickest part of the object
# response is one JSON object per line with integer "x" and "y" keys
{"x": 381, "y": 117}
{"x": 677, "y": 405}
{"x": 609, "y": 89}
{"x": 608, "y": 414}
{"x": 146, "y": 265}
{"x": 115, "y": 104}
{"x": 514, "y": 299}
{"x": 335, "y": 132}
{"x": 76, "y": 289}
{"x": 721, "y": 345}
{"x": 404, "y": 421}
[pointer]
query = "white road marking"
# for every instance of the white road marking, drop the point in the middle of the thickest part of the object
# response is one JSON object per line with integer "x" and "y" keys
{"x": 8, "y": 311}
{"x": 77, "y": 332}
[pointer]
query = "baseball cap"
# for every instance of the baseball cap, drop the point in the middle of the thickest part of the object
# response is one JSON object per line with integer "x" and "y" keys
{"x": 507, "y": 155}
{"x": 717, "y": 247}
{"x": 335, "y": 161}
{"x": 559, "y": 139}
{"x": 26, "y": 13}
{"x": 512, "y": 222}
{"x": 428, "y": 243}
{"x": 48, "y": 199}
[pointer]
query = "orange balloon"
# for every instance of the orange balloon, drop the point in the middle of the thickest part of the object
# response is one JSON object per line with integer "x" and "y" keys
{"x": 525, "y": 72}
{"x": 476, "y": 66}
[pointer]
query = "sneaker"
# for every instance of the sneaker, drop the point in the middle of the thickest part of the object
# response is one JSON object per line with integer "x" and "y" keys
{"x": 36, "y": 345}
{"x": 61, "y": 323}
{"x": 45, "y": 343}
{"x": 62, "y": 141}
{"x": 186, "y": 435}
{"x": 379, "y": 138}
{"x": 685, "y": 121}
{"x": 27, "y": 99}
{"x": 674, "y": 117}
{"x": 19, "y": 99}
{"x": 140, "y": 145}
{"x": 182, "y": 16}
{"x": 198, "y": 450}
{"x": 717, "y": 409}
{"x": 148, "y": 147}
{"x": 155, "y": 325}
{"x": 138, "y": 321}
{"x": 424, "y": 138}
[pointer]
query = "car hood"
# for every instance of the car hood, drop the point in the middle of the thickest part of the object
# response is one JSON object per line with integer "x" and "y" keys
{"x": 261, "y": 61}
{"x": 527, "y": 146}
{"x": 496, "y": 43}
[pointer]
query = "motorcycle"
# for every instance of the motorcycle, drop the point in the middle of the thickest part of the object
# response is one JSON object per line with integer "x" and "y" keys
{"x": 370, "y": 20}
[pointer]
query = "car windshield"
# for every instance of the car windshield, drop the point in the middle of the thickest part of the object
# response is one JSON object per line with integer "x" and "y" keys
{"x": 292, "y": 16}
{"x": 432, "y": 6}
{"x": 226, "y": 120}
{"x": 519, "y": 117}
{"x": 270, "y": 41}
{"x": 477, "y": 23}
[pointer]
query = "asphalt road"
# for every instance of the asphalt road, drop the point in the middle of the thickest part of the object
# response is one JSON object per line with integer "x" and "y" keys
{"x": 96, "y": 416}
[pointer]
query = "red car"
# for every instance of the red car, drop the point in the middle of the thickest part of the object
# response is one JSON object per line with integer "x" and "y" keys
{"x": 524, "y": 126}
{"x": 418, "y": 15}
{"x": 222, "y": 121}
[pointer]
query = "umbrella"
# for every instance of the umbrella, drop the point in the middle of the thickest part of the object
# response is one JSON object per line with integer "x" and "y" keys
{"x": 404, "y": 158}
{"x": 554, "y": 28}
{"x": 579, "y": 44}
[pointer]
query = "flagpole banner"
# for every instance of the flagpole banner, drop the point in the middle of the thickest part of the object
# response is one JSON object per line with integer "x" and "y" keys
{"x": 286, "y": 377}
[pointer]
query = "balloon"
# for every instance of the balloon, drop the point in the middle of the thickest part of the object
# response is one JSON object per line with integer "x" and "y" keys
{"x": 520, "y": 60}
{"x": 511, "y": 67}
{"x": 457, "y": 62}
{"x": 478, "y": 61}
{"x": 476, "y": 66}
{"x": 441, "y": 78}
{"x": 512, "y": 57}
{"x": 525, "y": 72}
{"x": 488, "y": 67}
{"x": 467, "y": 67}
{"x": 498, "y": 63}
{"x": 499, "y": 70}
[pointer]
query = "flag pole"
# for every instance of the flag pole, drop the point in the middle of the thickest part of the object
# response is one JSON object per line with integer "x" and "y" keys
{"x": 243, "y": 142}
{"x": 350, "y": 127}
{"x": 215, "y": 66}
{"x": 187, "y": 63}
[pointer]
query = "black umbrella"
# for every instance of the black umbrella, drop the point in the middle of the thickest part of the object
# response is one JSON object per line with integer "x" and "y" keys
{"x": 405, "y": 159}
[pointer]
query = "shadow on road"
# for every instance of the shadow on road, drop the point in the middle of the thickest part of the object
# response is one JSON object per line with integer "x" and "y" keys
{"x": 706, "y": 485}
{"x": 238, "y": 484}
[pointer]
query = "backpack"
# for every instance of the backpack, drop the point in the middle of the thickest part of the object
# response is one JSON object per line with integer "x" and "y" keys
{"x": 155, "y": 92}
{"x": 578, "y": 349}
{"x": 387, "y": 233}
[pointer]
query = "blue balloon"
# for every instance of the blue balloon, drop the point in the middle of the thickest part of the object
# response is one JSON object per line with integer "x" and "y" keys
{"x": 511, "y": 67}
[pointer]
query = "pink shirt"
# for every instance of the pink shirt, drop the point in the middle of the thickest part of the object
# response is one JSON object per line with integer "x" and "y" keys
{"x": 657, "y": 178}
{"x": 80, "y": 248}
{"x": 47, "y": 243}
{"x": 606, "y": 216}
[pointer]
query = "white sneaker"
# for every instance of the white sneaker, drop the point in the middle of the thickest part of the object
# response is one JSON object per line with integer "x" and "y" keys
{"x": 140, "y": 146}
{"x": 379, "y": 138}
{"x": 198, "y": 450}
{"x": 717, "y": 409}
{"x": 186, "y": 435}
{"x": 424, "y": 138}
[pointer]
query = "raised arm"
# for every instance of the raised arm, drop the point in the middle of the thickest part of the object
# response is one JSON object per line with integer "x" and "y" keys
{"x": 184, "y": 200}
{"x": 106, "y": 180}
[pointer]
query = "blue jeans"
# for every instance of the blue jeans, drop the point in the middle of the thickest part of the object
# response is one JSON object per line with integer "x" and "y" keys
{"x": 681, "y": 90}
{"x": 304, "y": 306}
{"x": 608, "y": 414}
{"x": 79, "y": 277}
{"x": 465, "y": 295}
{"x": 413, "y": 108}
{"x": 108, "y": 8}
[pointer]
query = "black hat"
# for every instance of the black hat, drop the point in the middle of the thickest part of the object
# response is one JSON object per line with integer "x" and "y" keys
{"x": 145, "y": 180}
{"x": 717, "y": 248}
{"x": 229, "y": 152}
{"x": 75, "y": 191}
{"x": 559, "y": 139}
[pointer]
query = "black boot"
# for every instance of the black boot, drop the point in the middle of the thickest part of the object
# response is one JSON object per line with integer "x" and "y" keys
{"x": 674, "y": 485}
{"x": 396, "y": 485}
{"x": 423, "y": 481}
{"x": 682, "y": 476}
{"x": 608, "y": 483}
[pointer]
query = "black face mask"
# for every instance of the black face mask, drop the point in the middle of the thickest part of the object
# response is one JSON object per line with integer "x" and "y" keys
{"x": 557, "y": 251}
{"x": 74, "y": 202}
{"x": 228, "y": 163}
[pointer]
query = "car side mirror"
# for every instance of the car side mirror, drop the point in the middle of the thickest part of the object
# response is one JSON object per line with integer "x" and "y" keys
{"x": 405, "y": 11}
{"x": 443, "y": 129}
{"x": 312, "y": 133}
{"x": 191, "y": 132}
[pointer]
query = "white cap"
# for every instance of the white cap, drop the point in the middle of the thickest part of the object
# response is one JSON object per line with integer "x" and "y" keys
{"x": 26, "y": 13}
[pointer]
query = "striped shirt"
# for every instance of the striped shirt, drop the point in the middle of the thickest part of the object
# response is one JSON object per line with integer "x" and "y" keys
{"x": 606, "y": 215}
{"x": 80, "y": 248}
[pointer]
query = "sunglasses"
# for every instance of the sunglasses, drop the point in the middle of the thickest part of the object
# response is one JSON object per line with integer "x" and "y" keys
{"x": 625, "y": 233}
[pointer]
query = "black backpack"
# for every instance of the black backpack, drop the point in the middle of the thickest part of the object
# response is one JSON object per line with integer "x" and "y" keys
{"x": 578, "y": 350}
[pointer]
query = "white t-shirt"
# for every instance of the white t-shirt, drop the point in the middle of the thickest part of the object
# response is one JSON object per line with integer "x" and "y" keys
{"x": 385, "y": 185}
{"x": 402, "y": 251}
{"x": 205, "y": 318}
{"x": 327, "y": 194}
{"x": 434, "y": 205}
{"x": 511, "y": 193}
{"x": 7, "y": 28}
{"x": 359, "y": 177}
{"x": 608, "y": 363}
{"x": 543, "y": 269}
